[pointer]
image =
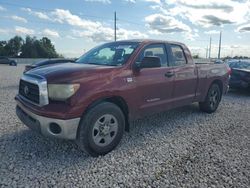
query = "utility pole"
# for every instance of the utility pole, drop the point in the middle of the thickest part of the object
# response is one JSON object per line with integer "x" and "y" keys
{"x": 219, "y": 46}
{"x": 209, "y": 54}
{"x": 115, "y": 25}
{"x": 206, "y": 52}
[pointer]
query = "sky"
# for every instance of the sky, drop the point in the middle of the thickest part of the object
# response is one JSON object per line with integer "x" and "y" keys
{"x": 75, "y": 26}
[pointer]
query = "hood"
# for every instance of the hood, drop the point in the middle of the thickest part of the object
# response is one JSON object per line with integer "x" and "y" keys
{"x": 51, "y": 62}
{"x": 69, "y": 71}
{"x": 244, "y": 70}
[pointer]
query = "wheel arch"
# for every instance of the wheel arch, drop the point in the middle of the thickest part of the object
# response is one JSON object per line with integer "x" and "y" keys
{"x": 216, "y": 81}
{"x": 117, "y": 100}
{"x": 219, "y": 83}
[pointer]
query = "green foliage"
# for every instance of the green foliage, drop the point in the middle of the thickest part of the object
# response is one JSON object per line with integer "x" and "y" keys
{"x": 2, "y": 48}
{"x": 30, "y": 48}
{"x": 196, "y": 56}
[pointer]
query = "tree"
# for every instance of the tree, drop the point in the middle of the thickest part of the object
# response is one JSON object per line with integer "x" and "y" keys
{"x": 28, "y": 48}
{"x": 196, "y": 56}
{"x": 42, "y": 48}
{"x": 2, "y": 48}
{"x": 31, "y": 47}
{"x": 46, "y": 48}
{"x": 12, "y": 47}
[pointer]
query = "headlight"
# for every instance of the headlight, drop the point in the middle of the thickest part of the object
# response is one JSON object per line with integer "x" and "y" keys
{"x": 61, "y": 92}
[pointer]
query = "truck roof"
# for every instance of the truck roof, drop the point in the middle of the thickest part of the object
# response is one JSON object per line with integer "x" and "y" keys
{"x": 150, "y": 41}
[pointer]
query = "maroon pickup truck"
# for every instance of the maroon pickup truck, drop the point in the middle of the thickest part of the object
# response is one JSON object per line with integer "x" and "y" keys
{"x": 93, "y": 100}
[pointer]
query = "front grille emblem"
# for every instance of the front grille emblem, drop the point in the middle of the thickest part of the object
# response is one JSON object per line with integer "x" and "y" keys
{"x": 26, "y": 90}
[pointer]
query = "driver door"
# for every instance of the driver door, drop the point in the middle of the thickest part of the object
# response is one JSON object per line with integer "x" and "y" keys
{"x": 154, "y": 86}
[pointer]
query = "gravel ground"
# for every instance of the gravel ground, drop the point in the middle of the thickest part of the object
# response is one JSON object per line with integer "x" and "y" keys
{"x": 178, "y": 148}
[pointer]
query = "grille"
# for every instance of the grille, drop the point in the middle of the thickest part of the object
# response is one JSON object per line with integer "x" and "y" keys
{"x": 29, "y": 91}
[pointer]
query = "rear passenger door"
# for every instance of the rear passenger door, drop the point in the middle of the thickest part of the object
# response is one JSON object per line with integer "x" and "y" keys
{"x": 185, "y": 76}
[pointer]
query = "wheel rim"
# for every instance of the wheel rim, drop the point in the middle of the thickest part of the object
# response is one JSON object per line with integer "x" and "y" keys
{"x": 105, "y": 130}
{"x": 214, "y": 98}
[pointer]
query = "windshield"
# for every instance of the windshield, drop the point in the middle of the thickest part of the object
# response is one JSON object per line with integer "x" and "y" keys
{"x": 110, "y": 54}
{"x": 240, "y": 65}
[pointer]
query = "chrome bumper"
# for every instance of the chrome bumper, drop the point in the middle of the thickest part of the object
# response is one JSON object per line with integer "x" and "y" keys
{"x": 65, "y": 129}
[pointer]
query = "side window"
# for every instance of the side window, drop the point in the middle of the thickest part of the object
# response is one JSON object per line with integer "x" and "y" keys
{"x": 177, "y": 56}
{"x": 157, "y": 50}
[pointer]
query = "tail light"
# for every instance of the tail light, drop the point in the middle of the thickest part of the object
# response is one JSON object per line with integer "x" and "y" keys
{"x": 229, "y": 70}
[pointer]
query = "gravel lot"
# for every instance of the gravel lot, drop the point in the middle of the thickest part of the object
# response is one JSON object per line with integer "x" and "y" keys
{"x": 178, "y": 148}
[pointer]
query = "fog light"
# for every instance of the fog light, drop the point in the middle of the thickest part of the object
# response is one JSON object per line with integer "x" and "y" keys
{"x": 55, "y": 128}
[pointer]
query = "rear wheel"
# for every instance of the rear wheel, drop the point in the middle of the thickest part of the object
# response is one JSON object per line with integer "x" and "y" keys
{"x": 101, "y": 129}
{"x": 212, "y": 100}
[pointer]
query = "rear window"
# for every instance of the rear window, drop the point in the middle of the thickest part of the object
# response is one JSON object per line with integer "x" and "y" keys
{"x": 177, "y": 57}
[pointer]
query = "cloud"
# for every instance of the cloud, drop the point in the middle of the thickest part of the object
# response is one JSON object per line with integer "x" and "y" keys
{"x": 153, "y": 1}
{"x": 207, "y": 13}
{"x": 190, "y": 35}
{"x": 70, "y": 37}
{"x": 99, "y": 1}
{"x": 40, "y": 15}
{"x": 131, "y": 1}
{"x": 212, "y": 32}
{"x": 100, "y": 35}
{"x": 51, "y": 33}
{"x": 65, "y": 16}
{"x": 93, "y": 30}
{"x": 2, "y": 8}
{"x": 128, "y": 34}
{"x": 215, "y": 21}
{"x": 23, "y": 30}
{"x": 19, "y": 19}
{"x": 166, "y": 24}
{"x": 4, "y": 31}
{"x": 244, "y": 28}
{"x": 206, "y": 5}
{"x": 107, "y": 34}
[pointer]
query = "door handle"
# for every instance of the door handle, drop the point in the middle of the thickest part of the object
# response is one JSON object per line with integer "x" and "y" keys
{"x": 169, "y": 74}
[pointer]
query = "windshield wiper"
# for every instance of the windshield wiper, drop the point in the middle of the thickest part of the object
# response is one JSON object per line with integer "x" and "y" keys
{"x": 99, "y": 64}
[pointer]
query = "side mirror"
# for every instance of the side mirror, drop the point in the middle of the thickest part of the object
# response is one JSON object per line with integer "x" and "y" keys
{"x": 150, "y": 62}
{"x": 147, "y": 62}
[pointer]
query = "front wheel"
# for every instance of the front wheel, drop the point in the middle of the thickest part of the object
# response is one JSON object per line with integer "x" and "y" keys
{"x": 101, "y": 129}
{"x": 212, "y": 100}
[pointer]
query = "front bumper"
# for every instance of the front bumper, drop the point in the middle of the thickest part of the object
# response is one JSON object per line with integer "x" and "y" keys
{"x": 65, "y": 129}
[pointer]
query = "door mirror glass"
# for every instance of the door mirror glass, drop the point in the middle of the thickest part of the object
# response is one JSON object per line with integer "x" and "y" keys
{"x": 150, "y": 62}
{"x": 147, "y": 62}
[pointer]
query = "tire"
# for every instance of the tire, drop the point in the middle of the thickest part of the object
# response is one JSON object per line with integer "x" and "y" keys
{"x": 212, "y": 100}
{"x": 13, "y": 63}
{"x": 101, "y": 129}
